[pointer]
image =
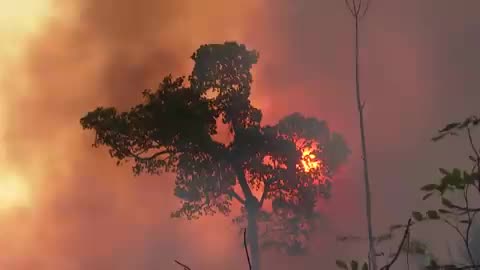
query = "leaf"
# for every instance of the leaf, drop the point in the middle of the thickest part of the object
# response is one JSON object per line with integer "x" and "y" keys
{"x": 468, "y": 178}
{"x": 444, "y": 211}
{"x": 453, "y": 179}
{"x": 465, "y": 123}
{"x": 383, "y": 237}
{"x": 341, "y": 264}
{"x": 457, "y": 173}
{"x": 443, "y": 171}
{"x": 396, "y": 226}
{"x": 354, "y": 265}
{"x": 442, "y": 188}
{"x": 426, "y": 196}
{"x": 450, "y": 126}
{"x": 447, "y": 203}
{"x": 417, "y": 216}
{"x": 365, "y": 266}
{"x": 432, "y": 214}
{"x": 429, "y": 187}
{"x": 439, "y": 137}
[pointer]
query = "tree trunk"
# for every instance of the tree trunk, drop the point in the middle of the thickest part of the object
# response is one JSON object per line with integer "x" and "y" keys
{"x": 252, "y": 236}
{"x": 368, "y": 200}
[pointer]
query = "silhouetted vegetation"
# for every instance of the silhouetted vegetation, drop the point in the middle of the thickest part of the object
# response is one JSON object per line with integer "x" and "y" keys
{"x": 456, "y": 214}
{"x": 176, "y": 130}
{"x": 263, "y": 168}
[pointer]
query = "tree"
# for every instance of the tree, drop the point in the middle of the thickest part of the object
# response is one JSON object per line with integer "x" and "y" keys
{"x": 290, "y": 164}
{"x": 459, "y": 216}
{"x": 458, "y": 182}
{"x": 358, "y": 9}
{"x": 474, "y": 245}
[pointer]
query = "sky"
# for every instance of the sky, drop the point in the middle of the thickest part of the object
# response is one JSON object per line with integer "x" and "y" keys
{"x": 72, "y": 208}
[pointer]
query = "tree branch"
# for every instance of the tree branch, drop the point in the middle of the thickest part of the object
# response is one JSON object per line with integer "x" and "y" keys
{"x": 347, "y": 3}
{"x": 366, "y": 9}
{"x": 246, "y": 248}
{"x": 355, "y": 11}
{"x": 266, "y": 189}
{"x": 395, "y": 258}
{"x": 472, "y": 144}
{"x": 153, "y": 156}
{"x": 242, "y": 181}
{"x": 236, "y": 196}
{"x": 470, "y": 220}
{"x": 264, "y": 195}
{"x": 464, "y": 209}
{"x": 185, "y": 267}
{"x": 408, "y": 251}
{"x": 477, "y": 154}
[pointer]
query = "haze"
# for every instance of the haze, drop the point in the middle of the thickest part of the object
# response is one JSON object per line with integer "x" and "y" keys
{"x": 71, "y": 208}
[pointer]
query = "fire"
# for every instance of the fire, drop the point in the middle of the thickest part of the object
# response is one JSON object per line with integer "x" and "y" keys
{"x": 312, "y": 164}
{"x": 309, "y": 160}
{"x": 14, "y": 192}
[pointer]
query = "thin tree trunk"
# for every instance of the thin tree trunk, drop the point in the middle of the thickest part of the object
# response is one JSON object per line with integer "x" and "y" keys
{"x": 372, "y": 253}
{"x": 253, "y": 241}
{"x": 358, "y": 9}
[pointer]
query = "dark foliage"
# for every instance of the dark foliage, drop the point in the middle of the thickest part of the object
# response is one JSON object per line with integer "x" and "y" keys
{"x": 459, "y": 216}
{"x": 174, "y": 130}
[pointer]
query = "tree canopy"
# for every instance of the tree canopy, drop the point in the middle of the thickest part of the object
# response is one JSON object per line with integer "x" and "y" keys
{"x": 174, "y": 128}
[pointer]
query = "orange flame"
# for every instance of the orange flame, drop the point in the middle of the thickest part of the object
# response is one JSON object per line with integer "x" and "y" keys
{"x": 309, "y": 160}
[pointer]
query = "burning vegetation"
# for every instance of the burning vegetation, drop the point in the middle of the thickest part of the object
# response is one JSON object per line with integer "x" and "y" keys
{"x": 290, "y": 164}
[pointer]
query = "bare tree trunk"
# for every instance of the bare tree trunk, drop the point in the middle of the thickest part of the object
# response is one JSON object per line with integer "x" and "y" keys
{"x": 360, "y": 106}
{"x": 253, "y": 241}
{"x": 355, "y": 8}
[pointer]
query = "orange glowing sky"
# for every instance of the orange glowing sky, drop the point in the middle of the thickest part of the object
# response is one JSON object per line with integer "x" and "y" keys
{"x": 19, "y": 22}
{"x": 66, "y": 206}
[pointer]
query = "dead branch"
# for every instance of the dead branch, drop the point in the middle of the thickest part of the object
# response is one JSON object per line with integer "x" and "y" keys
{"x": 397, "y": 254}
{"x": 246, "y": 248}
{"x": 185, "y": 267}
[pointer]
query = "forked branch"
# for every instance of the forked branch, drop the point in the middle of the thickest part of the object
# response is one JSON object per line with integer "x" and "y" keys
{"x": 355, "y": 7}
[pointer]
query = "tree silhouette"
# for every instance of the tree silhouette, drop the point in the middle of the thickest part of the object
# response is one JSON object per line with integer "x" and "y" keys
{"x": 174, "y": 130}
{"x": 458, "y": 216}
{"x": 358, "y": 10}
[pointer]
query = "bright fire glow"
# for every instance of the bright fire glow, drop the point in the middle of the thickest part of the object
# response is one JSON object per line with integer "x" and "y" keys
{"x": 14, "y": 192}
{"x": 309, "y": 160}
{"x": 20, "y": 20}
{"x": 22, "y": 15}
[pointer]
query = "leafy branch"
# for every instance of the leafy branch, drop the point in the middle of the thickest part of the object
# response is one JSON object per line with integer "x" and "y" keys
{"x": 453, "y": 181}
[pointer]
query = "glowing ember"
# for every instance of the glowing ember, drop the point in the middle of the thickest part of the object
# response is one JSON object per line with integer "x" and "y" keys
{"x": 309, "y": 160}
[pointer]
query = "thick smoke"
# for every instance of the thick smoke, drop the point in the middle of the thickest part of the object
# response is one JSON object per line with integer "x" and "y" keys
{"x": 419, "y": 64}
{"x": 90, "y": 214}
